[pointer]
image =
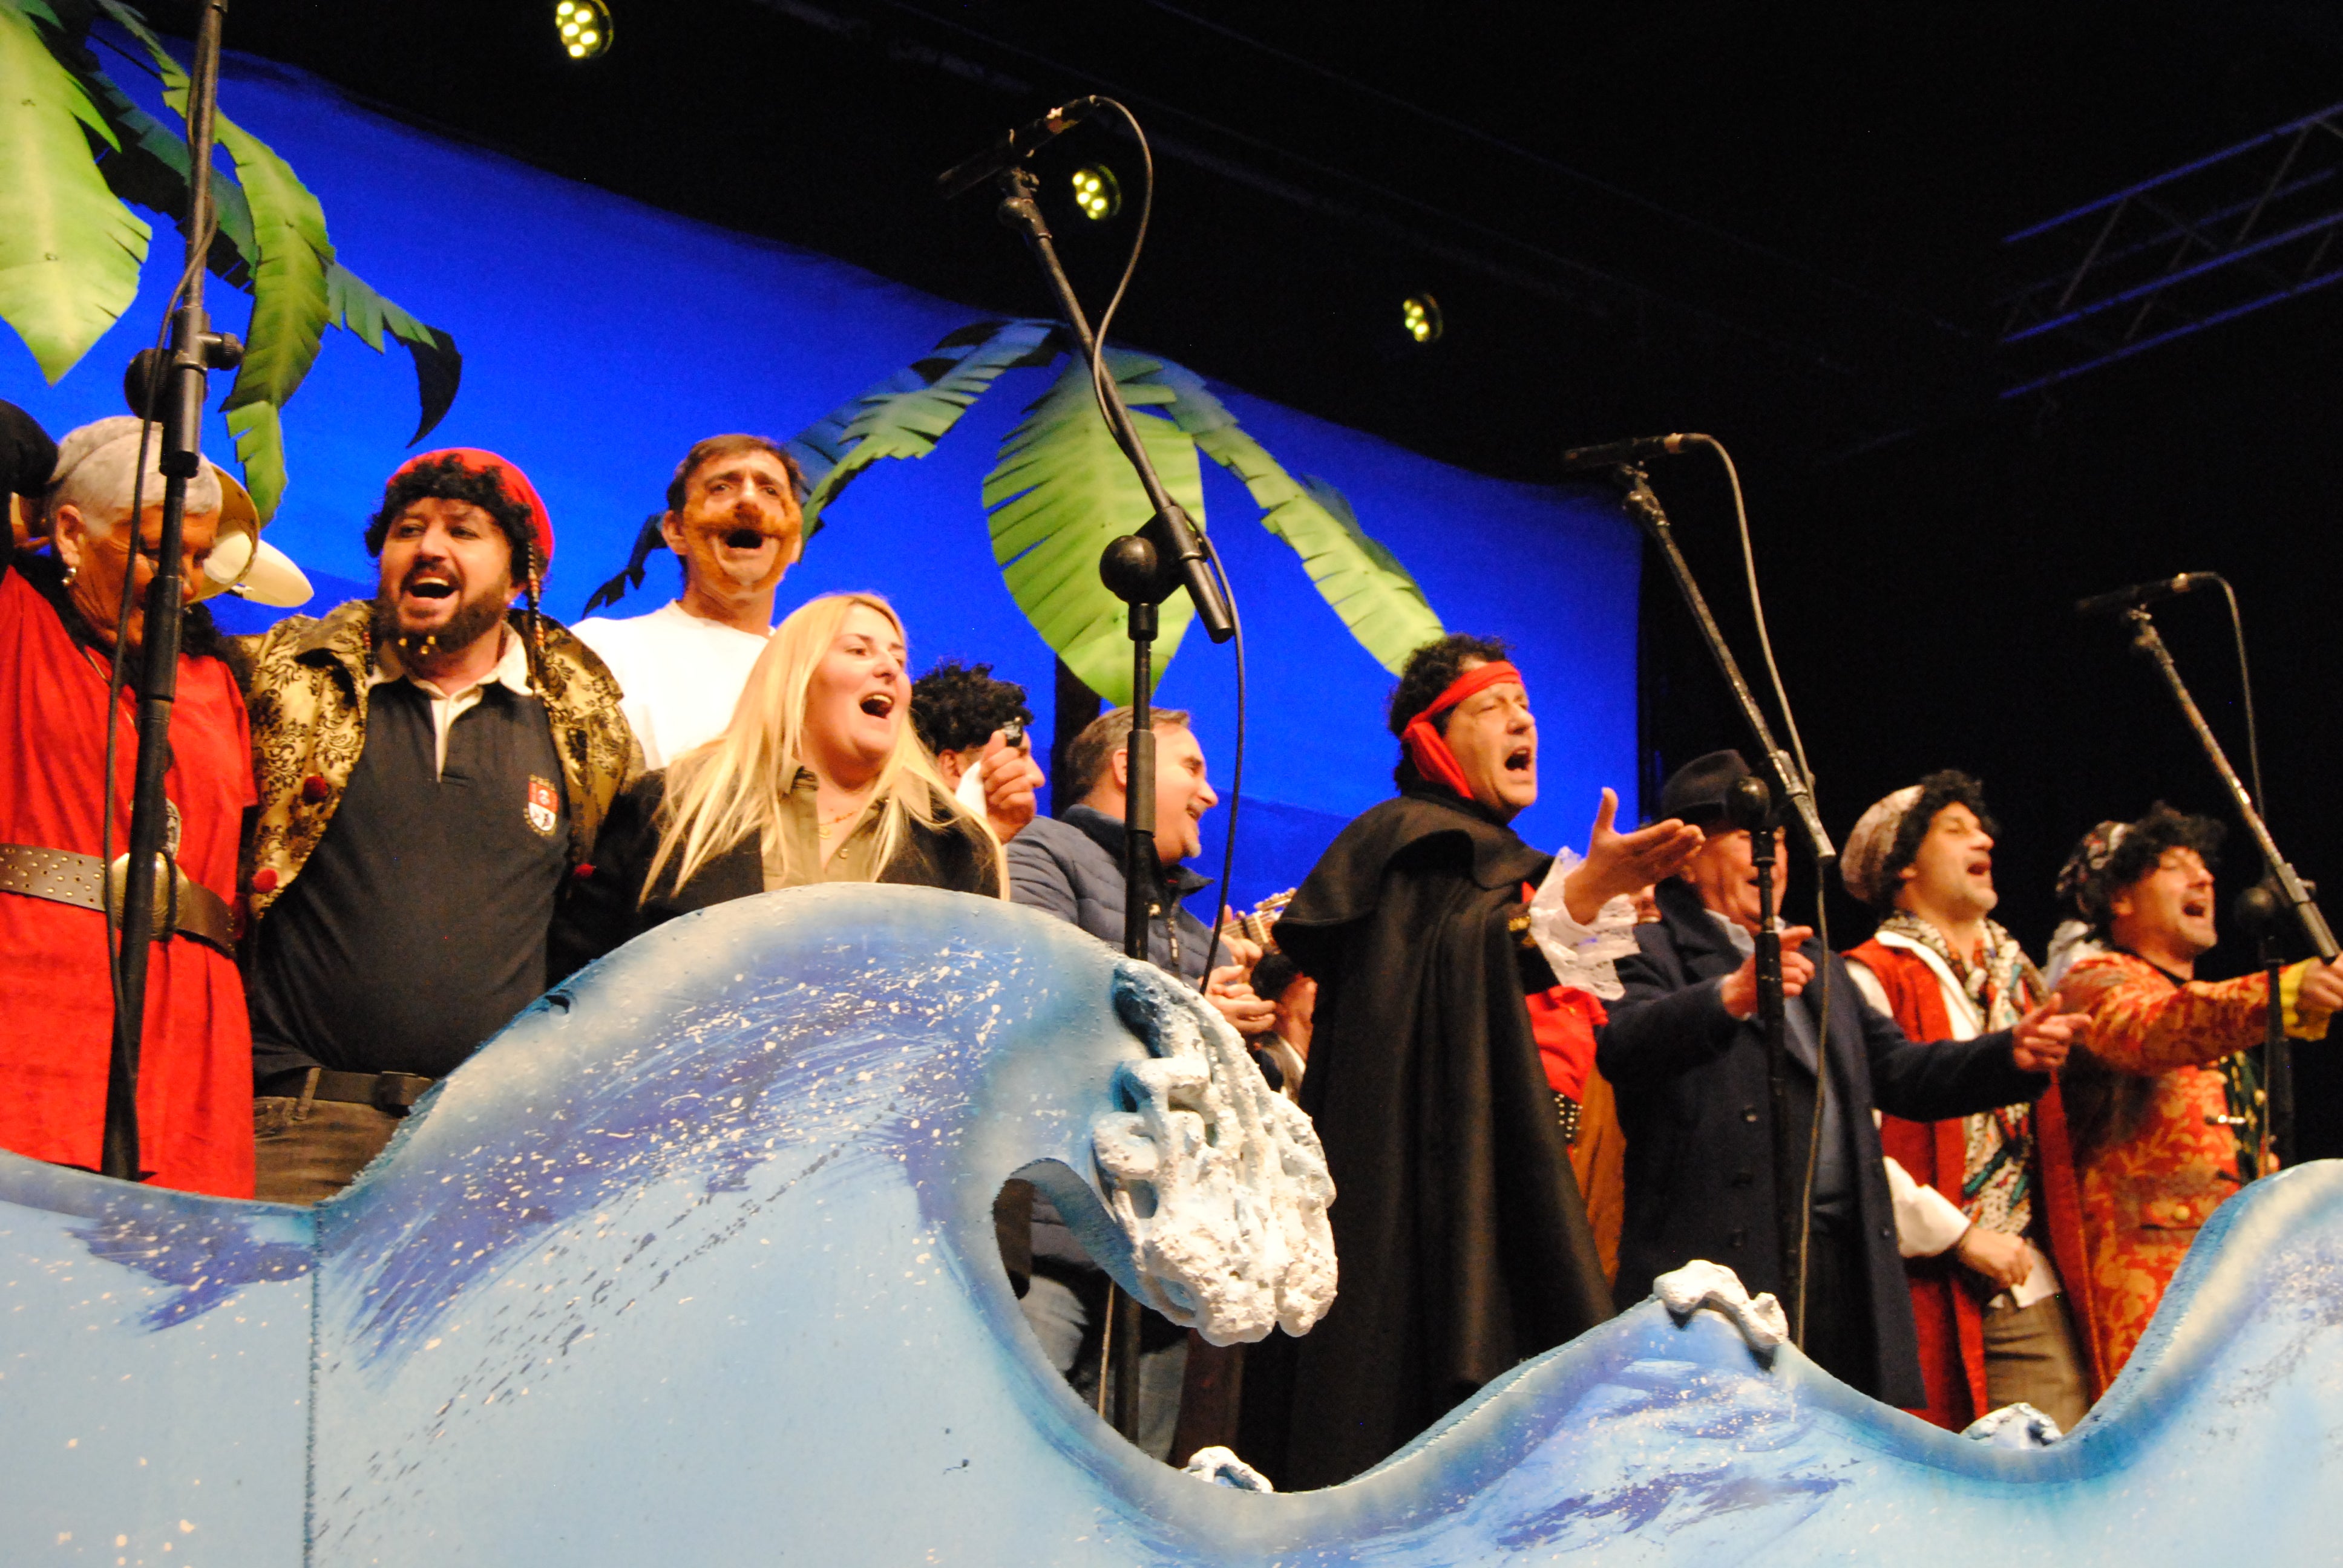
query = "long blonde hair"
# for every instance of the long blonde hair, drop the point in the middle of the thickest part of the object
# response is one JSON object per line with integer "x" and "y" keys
{"x": 732, "y": 788}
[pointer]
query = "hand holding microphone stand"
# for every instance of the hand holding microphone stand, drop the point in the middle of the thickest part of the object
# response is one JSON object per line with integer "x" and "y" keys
{"x": 1142, "y": 569}
{"x": 1751, "y": 805}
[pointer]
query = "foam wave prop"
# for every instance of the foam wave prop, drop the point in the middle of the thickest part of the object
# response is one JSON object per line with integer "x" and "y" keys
{"x": 693, "y": 1264}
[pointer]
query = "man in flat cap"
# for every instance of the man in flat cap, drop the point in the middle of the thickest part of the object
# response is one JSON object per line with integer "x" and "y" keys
{"x": 1988, "y": 1211}
{"x": 1685, "y": 1052}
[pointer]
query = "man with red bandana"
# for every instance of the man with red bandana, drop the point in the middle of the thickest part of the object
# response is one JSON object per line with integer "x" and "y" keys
{"x": 1444, "y": 1063}
{"x": 430, "y": 766}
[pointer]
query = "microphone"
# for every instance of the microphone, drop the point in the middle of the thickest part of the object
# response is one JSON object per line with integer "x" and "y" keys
{"x": 1013, "y": 147}
{"x": 2137, "y": 594}
{"x": 1616, "y": 453}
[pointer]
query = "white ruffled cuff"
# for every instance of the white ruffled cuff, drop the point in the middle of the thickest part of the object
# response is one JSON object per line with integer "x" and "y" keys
{"x": 1582, "y": 956}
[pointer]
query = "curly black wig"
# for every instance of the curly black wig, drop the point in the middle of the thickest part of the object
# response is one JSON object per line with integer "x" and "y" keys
{"x": 447, "y": 479}
{"x": 956, "y": 706}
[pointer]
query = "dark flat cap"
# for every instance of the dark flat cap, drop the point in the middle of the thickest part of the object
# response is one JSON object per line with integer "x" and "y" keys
{"x": 1696, "y": 791}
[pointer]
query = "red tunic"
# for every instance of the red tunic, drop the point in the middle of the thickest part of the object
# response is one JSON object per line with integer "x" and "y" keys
{"x": 56, "y": 1006}
{"x": 1945, "y": 1308}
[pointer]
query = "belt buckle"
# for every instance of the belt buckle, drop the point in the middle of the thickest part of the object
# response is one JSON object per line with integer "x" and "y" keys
{"x": 395, "y": 1093}
{"x": 165, "y": 914}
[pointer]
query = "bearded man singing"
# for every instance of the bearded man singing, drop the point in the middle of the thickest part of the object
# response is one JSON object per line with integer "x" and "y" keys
{"x": 431, "y": 767}
{"x": 733, "y": 522}
{"x": 1446, "y": 1068}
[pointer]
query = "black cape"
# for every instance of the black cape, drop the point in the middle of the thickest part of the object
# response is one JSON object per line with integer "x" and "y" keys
{"x": 1459, "y": 1228}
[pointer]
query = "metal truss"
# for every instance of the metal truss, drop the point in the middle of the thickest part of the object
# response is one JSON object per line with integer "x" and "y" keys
{"x": 2204, "y": 243}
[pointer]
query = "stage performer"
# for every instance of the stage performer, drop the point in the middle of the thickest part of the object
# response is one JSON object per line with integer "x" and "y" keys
{"x": 2166, "y": 1106}
{"x": 1072, "y": 867}
{"x": 58, "y": 609}
{"x": 431, "y": 766}
{"x": 1458, "y": 1221}
{"x": 733, "y": 522}
{"x": 817, "y": 779}
{"x": 1686, "y": 1054}
{"x": 962, "y": 716}
{"x": 1989, "y": 1217}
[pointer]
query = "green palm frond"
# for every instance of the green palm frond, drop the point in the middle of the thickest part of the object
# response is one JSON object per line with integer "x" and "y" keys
{"x": 1353, "y": 572}
{"x": 907, "y": 414}
{"x": 1060, "y": 490}
{"x": 69, "y": 250}
{"x": 353, "y": 304}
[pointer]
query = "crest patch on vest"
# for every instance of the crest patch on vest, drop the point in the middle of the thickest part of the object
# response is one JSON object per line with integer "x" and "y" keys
{"x": 544, "y": 805}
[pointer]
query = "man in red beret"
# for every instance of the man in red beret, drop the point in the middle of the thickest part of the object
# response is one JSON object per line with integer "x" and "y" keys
{"x": 430, "y": 766}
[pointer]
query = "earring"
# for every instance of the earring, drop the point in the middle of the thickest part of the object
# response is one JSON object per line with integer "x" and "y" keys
{"x": 70, "y": 573}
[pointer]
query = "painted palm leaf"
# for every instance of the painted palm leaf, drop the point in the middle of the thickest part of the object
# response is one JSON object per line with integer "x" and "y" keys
{"x": 298, "y": 288}
{"x": 907, "y": 414}
{"x": 354, "y": 305}
{"x": 1060, "y": 490}
{"x": 1364, "y": 583}
{"x": 69, "y": 250}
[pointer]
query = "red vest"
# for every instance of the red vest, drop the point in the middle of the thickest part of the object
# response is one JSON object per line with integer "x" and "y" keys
{"x": 1945, "y": 1304}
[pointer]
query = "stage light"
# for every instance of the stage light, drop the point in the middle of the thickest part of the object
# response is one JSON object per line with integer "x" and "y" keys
{"x": 1419, "y": 314}
{"x": 585, "y": 28}
{"x": 1097, "y": 193}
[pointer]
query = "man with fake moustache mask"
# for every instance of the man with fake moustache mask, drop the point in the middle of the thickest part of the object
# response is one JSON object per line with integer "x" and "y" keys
{"x": 733, "y": 522}
{"x": 431, "y": 765}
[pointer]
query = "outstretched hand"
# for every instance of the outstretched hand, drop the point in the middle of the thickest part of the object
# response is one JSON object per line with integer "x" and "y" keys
{"x": 1619, "y": 863}
{"x": 2043, "y": 1038}
{"x": 2321, "y": 994}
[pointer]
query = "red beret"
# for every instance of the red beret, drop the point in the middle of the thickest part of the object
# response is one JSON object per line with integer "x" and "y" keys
{"x": 473, "y": 460}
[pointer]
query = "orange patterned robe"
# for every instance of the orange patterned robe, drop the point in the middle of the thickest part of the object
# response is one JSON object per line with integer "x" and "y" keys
{"x": 2152, "y": 1137}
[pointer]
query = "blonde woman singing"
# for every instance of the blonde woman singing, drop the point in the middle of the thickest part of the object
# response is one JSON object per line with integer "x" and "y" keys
{"x": 817, "y": 779}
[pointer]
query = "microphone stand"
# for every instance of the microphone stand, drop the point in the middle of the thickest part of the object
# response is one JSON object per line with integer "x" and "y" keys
{"x": 146, "y": 903}
{"x": 2266, "y": 906}
{"x": 1142, "y": 569}
{"x": 1790, "y": 1210}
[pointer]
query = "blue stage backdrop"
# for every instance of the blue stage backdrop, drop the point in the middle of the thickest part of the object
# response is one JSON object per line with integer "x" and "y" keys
{"x": 601, "y": 338}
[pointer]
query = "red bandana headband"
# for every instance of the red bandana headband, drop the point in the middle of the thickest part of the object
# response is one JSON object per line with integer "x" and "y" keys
{"x": 1424, "y": 745}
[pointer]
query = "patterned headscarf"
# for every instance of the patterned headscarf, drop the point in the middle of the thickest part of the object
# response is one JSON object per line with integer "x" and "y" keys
{"x": 2082, "y": 881}
{"x": 1863, "y": 863}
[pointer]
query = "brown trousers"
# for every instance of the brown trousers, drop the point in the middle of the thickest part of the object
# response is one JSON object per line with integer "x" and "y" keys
{"x": 306, "y": 1150}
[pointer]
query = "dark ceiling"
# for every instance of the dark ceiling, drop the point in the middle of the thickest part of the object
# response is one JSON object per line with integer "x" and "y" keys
{"x": 1780, "y": 223}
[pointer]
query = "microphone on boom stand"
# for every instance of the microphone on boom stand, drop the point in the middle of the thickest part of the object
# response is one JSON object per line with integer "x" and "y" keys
{"x": 1012, "y": 148}
{"x": 2123, "y": 598}
{"x": 1614, "y": 454}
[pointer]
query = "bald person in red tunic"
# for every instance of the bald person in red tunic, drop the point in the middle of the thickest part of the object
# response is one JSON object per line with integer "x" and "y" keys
{"x": 61, "y": 586}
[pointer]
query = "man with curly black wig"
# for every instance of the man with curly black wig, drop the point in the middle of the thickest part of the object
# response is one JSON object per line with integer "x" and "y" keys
{"x": 964, "y": 717}
{"x": 1452, "y": 1032}
{"x": 1988, "y": 1215}
{"x": 2165, "y": 1102}
{"x": 430, "y": 766}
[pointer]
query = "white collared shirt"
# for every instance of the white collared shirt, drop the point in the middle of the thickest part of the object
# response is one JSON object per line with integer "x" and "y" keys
{"x": 511, "y": 672}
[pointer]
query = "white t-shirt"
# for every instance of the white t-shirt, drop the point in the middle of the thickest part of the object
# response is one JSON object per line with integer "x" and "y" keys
{"x": 682, "y": 675}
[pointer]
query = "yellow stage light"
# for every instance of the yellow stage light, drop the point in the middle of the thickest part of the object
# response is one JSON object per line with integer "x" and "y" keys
{"x": 584, "y": 27}
{"x": 1419, "y": 315}
{"x": 1097, "y": 193}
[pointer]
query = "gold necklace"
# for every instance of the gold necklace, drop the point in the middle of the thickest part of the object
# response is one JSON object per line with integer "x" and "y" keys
{"x": 830, "y": 825}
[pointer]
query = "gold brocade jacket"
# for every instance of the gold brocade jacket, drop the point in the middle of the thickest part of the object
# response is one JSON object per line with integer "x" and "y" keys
{"x": 305, "y": 687}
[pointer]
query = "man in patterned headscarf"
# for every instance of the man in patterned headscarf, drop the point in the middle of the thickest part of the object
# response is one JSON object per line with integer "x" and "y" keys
{"x": 1988, "y": 1211}
{"x": 2166, "y": 1102}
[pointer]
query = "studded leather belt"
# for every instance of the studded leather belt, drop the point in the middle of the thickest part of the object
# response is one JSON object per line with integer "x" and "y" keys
{"x": 185, "y": 906}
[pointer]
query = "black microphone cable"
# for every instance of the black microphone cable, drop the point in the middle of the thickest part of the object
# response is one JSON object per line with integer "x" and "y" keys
{"x": 1821, "y": 898}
